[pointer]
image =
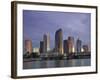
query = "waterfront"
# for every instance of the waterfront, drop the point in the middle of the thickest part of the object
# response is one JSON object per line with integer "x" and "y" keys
{"x": 56, "y": 63}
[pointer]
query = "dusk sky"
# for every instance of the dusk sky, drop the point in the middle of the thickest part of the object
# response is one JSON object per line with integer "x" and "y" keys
{"x": 37, "y": 23}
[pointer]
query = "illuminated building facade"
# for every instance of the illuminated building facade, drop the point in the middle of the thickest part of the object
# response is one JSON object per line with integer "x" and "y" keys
{"x": 28, "y": 46}
{"x": 46, "y": 42}
{"x": 59, "y": 41}
{"x": 70, "y": 44}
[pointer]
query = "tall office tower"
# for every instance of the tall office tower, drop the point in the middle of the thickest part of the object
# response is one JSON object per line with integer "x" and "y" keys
{"x": 41, "y": 46}
{"x": 78, "y": 46}
{"x": 70, "y": 44}
{"x": 46, "y": 40}
{"x": 65, "y": 44}
{"x": 85, "y": 48}
{"x": 28, "y": 46}
{"x": 59, "y": 41}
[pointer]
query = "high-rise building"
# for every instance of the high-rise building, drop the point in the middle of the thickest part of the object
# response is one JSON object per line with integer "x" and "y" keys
{"x": 41, "y": 46}
{"x": 28, "y": 46}
{"x": 46, "y": 40}
{"x": 59, "y": 41}
{"x": 70, "y": 44}
{"x": 85, "y": 48}
{"x": 78, "y": 46}
{"x": 65, "y": 44}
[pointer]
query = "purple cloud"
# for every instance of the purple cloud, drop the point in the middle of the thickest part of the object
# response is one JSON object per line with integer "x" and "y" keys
{"x": 37, "y": 23}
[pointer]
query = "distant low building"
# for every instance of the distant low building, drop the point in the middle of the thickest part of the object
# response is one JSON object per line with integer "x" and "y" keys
{"x": 36, "y": 50}
{"x": 85, "y": 48}
{"x": 82, "y": 49}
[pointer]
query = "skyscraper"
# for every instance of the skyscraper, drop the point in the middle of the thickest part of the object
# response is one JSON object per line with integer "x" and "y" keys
{"x": 46, "y": 41}
{"x": 41, "y": 46}
{"x": 65, "y": 44}
{"x": 59, "y": 41}
{"x": 28, "y": 46}
{"x": 70, "y": 44}
{"x": 78, "y": 46}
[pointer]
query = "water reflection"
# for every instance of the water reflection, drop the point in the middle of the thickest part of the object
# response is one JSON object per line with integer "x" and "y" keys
{"x": 56, "y": 63}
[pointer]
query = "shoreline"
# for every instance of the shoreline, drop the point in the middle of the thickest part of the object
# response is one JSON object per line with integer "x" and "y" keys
{"x": 56, "y": 58}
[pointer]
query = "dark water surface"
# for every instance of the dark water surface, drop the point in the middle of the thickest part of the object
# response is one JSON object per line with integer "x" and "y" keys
{"x": 56, "y": 63}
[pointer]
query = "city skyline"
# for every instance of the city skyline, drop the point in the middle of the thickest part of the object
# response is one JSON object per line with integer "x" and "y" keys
{"x": 61, "y": 46}
{"x": 37, "y": 23}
